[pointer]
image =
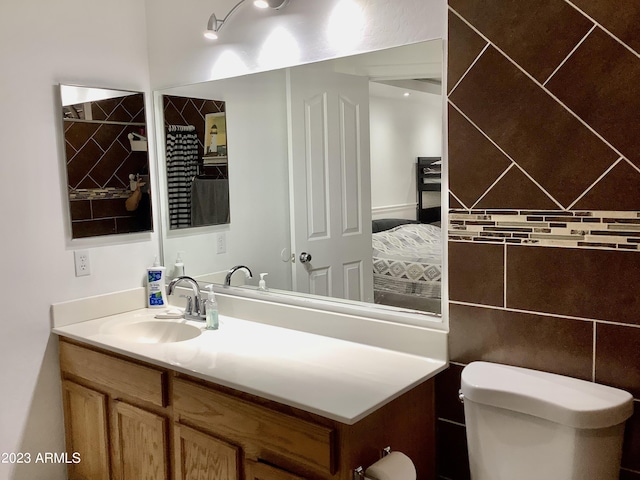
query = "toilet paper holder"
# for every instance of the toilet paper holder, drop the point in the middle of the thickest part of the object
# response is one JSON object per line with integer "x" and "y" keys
{"x": 358, "y": 473}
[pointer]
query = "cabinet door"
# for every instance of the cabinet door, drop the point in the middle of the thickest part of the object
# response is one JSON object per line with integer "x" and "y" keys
{"x": 262, "y": 471}
{"x": 202, "y": 457}
{"x": 85, "y": 419}
{"x": 139, "y": 444}
{"x": 256, "y": 428}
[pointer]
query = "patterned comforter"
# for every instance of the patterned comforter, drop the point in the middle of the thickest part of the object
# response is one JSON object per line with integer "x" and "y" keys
{"x": 408, "y": 259}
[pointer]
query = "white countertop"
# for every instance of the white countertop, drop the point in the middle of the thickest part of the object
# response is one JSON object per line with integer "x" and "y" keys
{"x": 338, "y": 379}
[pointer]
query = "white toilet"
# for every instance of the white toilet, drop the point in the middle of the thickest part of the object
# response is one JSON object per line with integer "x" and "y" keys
{"x": 528, "y": 425}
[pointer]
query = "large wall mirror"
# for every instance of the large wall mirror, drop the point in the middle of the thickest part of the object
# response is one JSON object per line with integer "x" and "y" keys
{"x": 328, "y": 195}
{"x": 107, "y": 163}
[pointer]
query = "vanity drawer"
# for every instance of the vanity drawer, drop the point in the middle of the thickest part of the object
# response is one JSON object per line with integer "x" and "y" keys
{"x": 137, "y": 381}
{"x": 263, "y": 433}
{"x": 261, "y": 471}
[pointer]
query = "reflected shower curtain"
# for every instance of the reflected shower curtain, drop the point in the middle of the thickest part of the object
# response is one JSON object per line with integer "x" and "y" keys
{"x": 182, "y": 166}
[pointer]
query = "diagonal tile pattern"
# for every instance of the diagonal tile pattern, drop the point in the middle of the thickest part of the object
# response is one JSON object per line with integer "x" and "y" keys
{"x": 544, "y": 258}
{"x": 537, "y": 35}
{"x": 99, "y": 162}
{"x": 621, "y": 18}
{"x": 464, "y": 46}
{"x": 515, "y": 191}
{"x": 474, "y": 162}
{"x": 96, "y": 150}
{"x": 554, "y": 91}
{"x": 538, "y": 133}
{"x": 600, "y": 82}
{"x": 617, "y": 191}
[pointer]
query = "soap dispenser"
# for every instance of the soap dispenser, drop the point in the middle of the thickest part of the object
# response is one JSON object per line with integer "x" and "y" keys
{"x": 262, "y": 285}
{"x": 211, "y": 309}
{"x": 178, "y": 267}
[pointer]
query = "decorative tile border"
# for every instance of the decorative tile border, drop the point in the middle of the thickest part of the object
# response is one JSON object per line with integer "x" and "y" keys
{"x": 595, "y": 229}
{"x": 98, "y": 193}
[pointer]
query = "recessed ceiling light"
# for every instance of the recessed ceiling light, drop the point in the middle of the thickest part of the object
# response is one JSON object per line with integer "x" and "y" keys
{"x": 406, "y": 94}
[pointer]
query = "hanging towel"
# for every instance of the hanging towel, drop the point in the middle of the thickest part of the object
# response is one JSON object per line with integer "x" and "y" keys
{"x": 182, "y": 166}
{"x": 209, "y": 201}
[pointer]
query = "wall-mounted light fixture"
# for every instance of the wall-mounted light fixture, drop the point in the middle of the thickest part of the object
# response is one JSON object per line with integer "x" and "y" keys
{"x": 275, "y": 4}
{"x": 214, "y": 24}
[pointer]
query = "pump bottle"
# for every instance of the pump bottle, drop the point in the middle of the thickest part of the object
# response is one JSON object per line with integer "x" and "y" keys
{"x": 211, "y": 309}
{"x": 178, "y": 267}
{"x": 262, "y": 285}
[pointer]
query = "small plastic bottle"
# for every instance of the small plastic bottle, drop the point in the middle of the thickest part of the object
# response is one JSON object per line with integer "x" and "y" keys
{"x": 262, "y": 285}
{"x": 211, "y": 307}
{"x": 178, "y": 268}
{"x": 156, "y": 294}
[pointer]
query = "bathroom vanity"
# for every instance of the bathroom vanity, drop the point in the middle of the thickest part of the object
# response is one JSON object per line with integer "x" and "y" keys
{"x": 131, "y": 420}
{"x": 249, "y": 401}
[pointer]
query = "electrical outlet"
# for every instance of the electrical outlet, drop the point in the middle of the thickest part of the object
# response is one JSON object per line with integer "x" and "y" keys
{"x": 221, "y": 243}
{"x": 81, "y": 258}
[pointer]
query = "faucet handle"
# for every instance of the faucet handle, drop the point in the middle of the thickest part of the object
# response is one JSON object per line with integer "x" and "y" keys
{"x": 189, "y": 308}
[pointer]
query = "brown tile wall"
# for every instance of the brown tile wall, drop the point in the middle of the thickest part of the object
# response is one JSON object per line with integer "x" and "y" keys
{"x": 99, "y": 158}
{"x": 543, "y": 119}
{"x": 99, "y": 154}
{"x": 106, "y": 216}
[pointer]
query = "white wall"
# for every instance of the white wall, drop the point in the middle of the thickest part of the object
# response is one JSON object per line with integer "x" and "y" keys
{"x": 43, "y": 43}
{"x": 255, "y": 40}
{"x": 258, "y": 183}
{"x": 401, "y": 130}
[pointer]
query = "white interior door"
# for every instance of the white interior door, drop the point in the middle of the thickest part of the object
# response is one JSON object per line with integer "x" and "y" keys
{"x": 330, "y": 183}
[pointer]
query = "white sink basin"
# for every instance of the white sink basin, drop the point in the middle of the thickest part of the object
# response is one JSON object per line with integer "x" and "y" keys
{"x": 155, "y": 331}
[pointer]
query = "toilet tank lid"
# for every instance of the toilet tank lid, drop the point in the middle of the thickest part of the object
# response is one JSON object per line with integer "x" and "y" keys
{"x": 565, "y": 400}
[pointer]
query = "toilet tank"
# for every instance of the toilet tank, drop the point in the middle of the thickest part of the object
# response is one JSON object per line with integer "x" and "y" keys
{"x": 528, "y": 425}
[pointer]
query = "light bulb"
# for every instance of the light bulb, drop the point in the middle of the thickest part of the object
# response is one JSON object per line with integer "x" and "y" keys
{"x": 261, "y": 4}
{"x": 211, "y": 35}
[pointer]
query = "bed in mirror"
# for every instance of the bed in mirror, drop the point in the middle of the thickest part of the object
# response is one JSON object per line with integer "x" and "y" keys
{"x": 326, "y": 192}
{"x": 106, "y": 161}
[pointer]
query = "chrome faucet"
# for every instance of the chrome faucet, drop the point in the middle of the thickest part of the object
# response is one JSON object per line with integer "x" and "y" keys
{"x": 232, "y": 270}
{"x": 193, "y": 310}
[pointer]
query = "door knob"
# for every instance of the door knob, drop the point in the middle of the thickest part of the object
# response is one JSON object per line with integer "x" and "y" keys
{"x": 305, "y": 257}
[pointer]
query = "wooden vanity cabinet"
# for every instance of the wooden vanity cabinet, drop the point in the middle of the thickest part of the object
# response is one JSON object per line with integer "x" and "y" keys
{"x": 261, "y": 431}
{"x": 116, "y": 416}
{"x": 278, "y": 442}
{"x": 140, "y": 444}
{"x": 130, "y": 420}
{"x": 86, "y": 426}
{"x": 199, "y": 456}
